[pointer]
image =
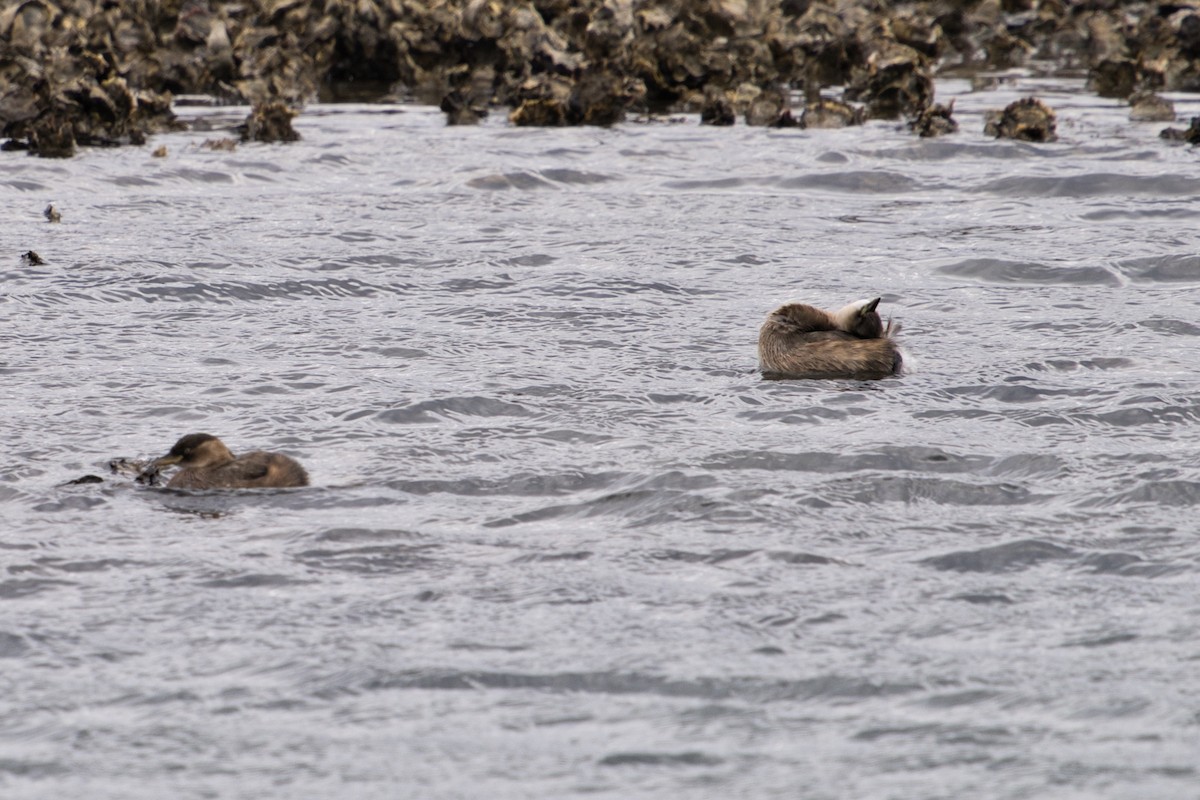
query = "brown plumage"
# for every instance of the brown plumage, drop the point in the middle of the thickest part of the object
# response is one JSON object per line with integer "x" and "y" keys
{"x": 800, "y": 341}
{"x": 207, "y": 464}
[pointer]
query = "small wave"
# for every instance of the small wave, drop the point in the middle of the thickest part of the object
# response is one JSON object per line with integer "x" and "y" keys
{"x": 857, "y": 181}
{"x": 1172, "y": 269}
{"x": 1173, "y": 327}
{"x": 997, "y": 270}
{"x": 1093, "y": 185}
{"x": 1001, "y": 558}
{"x": 620, "y": 683}
{"x": 451, "y": 408}
{"x": 524, "y": 181}
{"x": 371, "y": 559}
{"x": 691, "y": 758}
{"x": 252, "y": 581}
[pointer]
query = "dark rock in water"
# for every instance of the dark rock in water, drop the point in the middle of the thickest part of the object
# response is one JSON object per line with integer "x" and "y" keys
{"x": 601, "y": 96}
{"x": 1189, "y": 35}
{"x": 826, "y": 113}
{"x": 100, "y": 72}
{"x": 1149, "y": 107}
{"x": 269, "y": 121}
{"x": 1115, "y": 77}
{"x": 936, "y": 120}
{"x": 786, "y": 120}
{"x": 51, "y": 214}
{"x": 895, "y": 81}
{"x": 542, "y": 102}
{"x": 1191, "y": 134}
{"x": 85, "y": 479}
{"x": 1028, "y": 119}
{"x": 717, "y": 109}
{"x": 32, "y": 259}
{"x": 461, "y": 110}
{"x": 767, "y": 108}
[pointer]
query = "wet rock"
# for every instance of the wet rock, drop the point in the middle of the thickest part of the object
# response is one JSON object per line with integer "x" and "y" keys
{"x": 601, "y": 96}
{"x": 717, "y": 109}
{"x": 1149, "y": 107}
{"x": 1028, "y": 120}
{"x": 269, "y": 121}
{"x": 895, "y": 81}
{"x": 31, "y": 259}
{"x": 1191, "y": 134}
{"x": 787, "y": 120}
{"x": 160, "y": 151}
{"x": 83, "y": 480}
{"x": 52, "y": 214}
{"x": 77, "y": 73}
{"x": 544, "y": 102}
{"x": 827, "y": 113}
{"x": 767, "y": 107}
{"x": 1115, "y": 77}
{"x": 461, "y": 110}
{"x": 935, "y": 120}
{"x": 467, "y": 102}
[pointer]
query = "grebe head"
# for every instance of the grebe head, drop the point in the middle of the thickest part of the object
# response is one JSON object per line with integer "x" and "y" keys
{"x": 860, "y": 319}
{"x": 196, "y": 450}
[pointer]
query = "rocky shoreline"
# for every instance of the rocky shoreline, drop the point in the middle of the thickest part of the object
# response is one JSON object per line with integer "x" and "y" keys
{"x": 100, "y": 73}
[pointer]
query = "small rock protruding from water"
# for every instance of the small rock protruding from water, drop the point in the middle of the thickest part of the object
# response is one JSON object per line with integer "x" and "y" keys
{"x": 1191, "y": 134}
{"x": 1149, "y": 107}
{"x": 717, "y": 109}
{"x": 216, "y": 145}
{"x": 1028, "y": 120}
{"x": 83, "y": 480}
{"x": 160, "y": 151}
{"x": 269, "y": 121}
{"x": 896, "y": 81}
{"x": 601, "y": 96}
{"x": 767, "y": 107}
{"x": 31, "y": 259}
{"x": 828, "y": 113}
{"x": 51, "y": 214}
{"x": 934, "y": 120}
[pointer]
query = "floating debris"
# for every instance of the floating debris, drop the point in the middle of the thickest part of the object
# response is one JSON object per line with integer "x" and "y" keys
{"x": 225, "y": 144}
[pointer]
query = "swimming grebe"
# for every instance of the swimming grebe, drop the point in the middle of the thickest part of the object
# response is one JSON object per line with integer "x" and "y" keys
{"x": 208, "y": 464}
{"x": 801, "y": 341}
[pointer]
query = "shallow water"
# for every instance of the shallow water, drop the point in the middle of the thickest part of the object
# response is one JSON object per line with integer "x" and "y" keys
{"x": 562, "y": 540}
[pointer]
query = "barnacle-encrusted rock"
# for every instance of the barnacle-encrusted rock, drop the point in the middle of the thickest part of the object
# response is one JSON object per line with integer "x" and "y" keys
{"x": 1028, "y": 119}
{"x": 269, "y": 121}
{"x": 827, "y": 113}
{"x": 99, "y": 72}
{"x": 934, "y": 120}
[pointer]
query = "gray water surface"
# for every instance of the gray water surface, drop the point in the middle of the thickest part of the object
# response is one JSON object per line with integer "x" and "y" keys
{"x": 562, "y": 540}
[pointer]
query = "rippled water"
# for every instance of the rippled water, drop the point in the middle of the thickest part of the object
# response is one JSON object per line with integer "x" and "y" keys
{"x": 562, "y": 540}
